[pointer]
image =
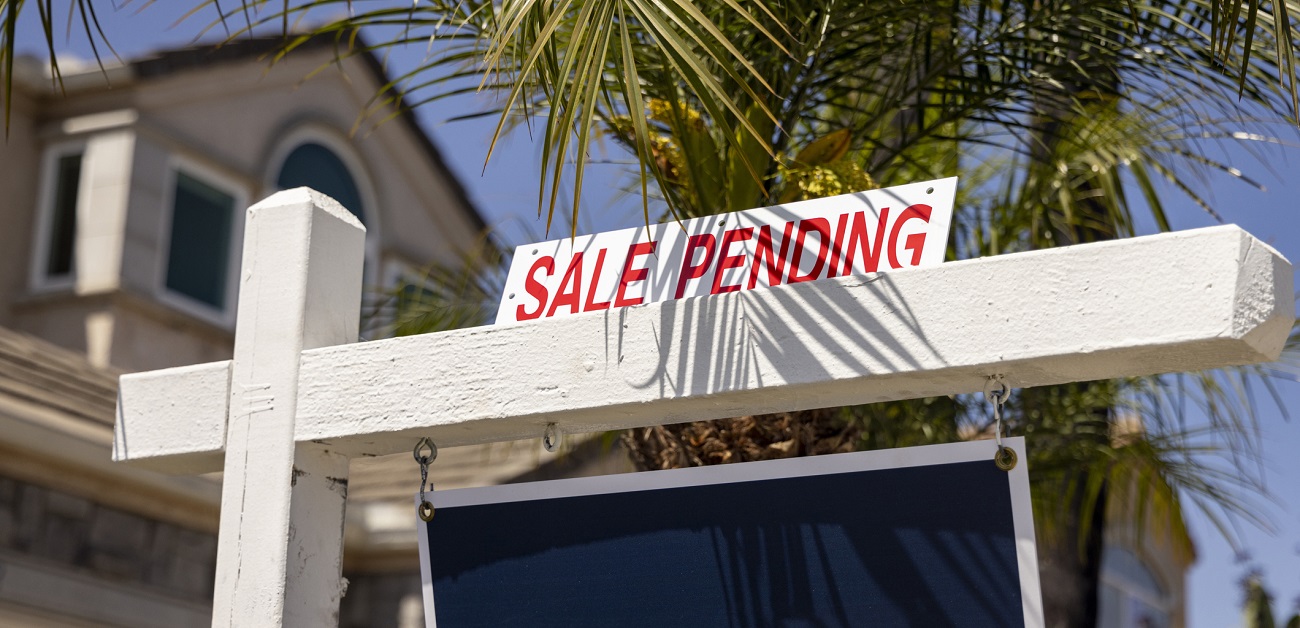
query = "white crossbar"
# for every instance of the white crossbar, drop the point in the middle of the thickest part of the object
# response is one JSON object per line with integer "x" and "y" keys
{"x": 1173, "y": 302}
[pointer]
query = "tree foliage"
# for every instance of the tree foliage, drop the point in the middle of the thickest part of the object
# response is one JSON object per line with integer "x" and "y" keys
{"x": 749, "y": 84}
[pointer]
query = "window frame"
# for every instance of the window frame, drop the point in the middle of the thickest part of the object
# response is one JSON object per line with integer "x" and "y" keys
{"x": 238, "y": 191}
{"x": 40, "y": 281}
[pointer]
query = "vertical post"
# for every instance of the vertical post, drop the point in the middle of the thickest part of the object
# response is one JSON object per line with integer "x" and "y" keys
{"x": 279, "y": 553}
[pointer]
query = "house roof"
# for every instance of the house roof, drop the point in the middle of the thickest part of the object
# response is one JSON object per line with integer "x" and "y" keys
{"x": 36, "y": 371}
{"x": 171, "y": 61}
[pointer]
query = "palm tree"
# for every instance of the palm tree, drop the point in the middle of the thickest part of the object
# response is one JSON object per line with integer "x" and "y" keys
{"x": 1058, "y": 115}
{"x": 1257, "y": 609}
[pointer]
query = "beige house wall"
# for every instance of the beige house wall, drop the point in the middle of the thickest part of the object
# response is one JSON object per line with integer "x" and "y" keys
{"x": 19, "y": 171}
{"x": 414, "y": 212}
{"x": 232, "y": 121}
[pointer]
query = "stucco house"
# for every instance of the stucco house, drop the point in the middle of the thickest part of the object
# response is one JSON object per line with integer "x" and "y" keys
{"x": 120, "y": 231}
{"x": 134, "y": 171}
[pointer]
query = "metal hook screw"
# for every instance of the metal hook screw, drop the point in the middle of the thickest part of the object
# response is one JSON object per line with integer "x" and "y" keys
{"x": 425, "y": 509}
{"x": 425, "y": 459}
{"x": 551, "y": 438}
{"x": 996, "y": 391}
{"x": 1000, "y": 397}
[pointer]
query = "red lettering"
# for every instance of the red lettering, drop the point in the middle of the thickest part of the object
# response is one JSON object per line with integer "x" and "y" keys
{"x": 915, "y": 242}
{"x": 569, "y": 296}
{"x": 535, "y": 288}
{"x": 726, "y": 261}
{"x": 858, "y": 239}
{"x": 595, "y": 282}
{"x": 823, "y": 230}
{"x": 775, "y": 263}
{"x": 691, "y": 271}
{"x": 840, "y": 228}
{"x": 631, "y": 276}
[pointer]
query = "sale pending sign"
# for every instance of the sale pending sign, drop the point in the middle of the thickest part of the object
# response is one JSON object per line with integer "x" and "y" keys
{"x": 878, "y": 230}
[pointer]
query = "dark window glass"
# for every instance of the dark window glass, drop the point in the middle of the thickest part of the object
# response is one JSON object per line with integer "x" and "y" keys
{"x": 317, "y": 167}
{"x": 63, "y": 222}
{"x": 199, "y": 253}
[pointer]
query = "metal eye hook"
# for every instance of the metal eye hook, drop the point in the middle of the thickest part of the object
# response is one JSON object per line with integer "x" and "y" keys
{"x": 425, "y": 509}
{"x": 552, "y": 438}
{"x": 425, "y": 443}
{"x": 999, "y": 397}
{"x": 996, "y": 391}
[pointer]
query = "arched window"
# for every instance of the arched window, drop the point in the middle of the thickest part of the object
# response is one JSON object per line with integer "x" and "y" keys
{"x": 317, "y": 167}
{"x": 322, "y": 157}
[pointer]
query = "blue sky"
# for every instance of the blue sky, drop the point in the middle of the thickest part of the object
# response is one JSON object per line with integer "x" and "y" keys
{"x": 507, "y": 196}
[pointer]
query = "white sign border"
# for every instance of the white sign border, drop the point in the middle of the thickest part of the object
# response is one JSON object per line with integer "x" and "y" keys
{"x": 1022, "y": 514}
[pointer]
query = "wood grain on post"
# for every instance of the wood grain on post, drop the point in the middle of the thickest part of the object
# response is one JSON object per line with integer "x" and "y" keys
{"x": 279, "y": 552}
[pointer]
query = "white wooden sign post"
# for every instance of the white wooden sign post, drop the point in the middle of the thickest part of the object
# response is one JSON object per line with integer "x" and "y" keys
{"x": 297, "y": 401}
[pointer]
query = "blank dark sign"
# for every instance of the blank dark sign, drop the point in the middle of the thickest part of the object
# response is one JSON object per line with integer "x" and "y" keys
{"x": 923, "y": 536}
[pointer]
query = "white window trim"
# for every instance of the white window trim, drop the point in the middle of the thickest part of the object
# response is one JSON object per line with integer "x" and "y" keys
{"x": 223, "y": 317}
{"x": 37, "y": 279}
{"x": 336, "y": 142}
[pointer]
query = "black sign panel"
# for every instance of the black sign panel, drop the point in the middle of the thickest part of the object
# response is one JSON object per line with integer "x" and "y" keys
{"x": 924, "y": 536}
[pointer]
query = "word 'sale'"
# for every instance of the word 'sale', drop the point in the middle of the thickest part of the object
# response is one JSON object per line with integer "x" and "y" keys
{"x": 878, "y": 230}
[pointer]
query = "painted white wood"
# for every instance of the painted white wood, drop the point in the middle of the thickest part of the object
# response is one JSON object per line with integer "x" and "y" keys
{"x": 338, "y": 142}
{"x": 297, "y": 400}
{"x": 1173, "y": 302}
{"x": 1167, "y": 303}
{"x": 153, "y": 402}
{"x": 314, "y": 568}
{"x": 280, "y": 546}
